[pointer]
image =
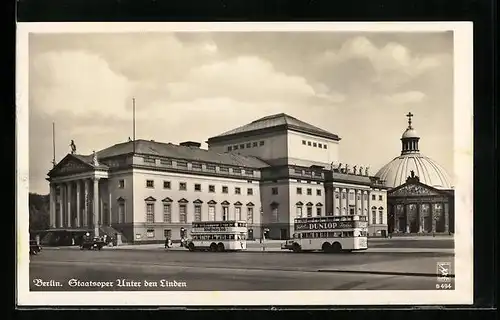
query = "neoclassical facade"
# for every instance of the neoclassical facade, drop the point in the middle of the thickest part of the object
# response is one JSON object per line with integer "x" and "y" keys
{"x": 420, "y": 194}
{"x": 267, "y": 172}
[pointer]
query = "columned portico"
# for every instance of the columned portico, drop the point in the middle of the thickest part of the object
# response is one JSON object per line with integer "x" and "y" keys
{"x": 95, "y": 213}
{"x": 69, "y": 219}
{"x": 53, "y": 205}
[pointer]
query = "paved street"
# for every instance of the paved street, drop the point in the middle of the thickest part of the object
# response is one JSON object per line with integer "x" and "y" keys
{"x": 236, "y": 271}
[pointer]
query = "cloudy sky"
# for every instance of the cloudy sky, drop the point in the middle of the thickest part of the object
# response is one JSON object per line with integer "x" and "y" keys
{"x": 191, "y": 86}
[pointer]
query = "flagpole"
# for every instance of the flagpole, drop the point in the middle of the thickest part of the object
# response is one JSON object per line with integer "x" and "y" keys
{"x": 133, "y": 121}
{"x": 53, "y": 144}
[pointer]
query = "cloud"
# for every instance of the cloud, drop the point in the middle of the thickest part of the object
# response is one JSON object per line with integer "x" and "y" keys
{"x": 406, "y": 97}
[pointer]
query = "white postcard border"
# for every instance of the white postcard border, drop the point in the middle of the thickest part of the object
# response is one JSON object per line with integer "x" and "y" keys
{"x": 463, "y": 177}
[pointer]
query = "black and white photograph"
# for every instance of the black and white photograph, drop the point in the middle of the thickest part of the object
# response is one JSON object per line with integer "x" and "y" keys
{"x": 244, "y": 164}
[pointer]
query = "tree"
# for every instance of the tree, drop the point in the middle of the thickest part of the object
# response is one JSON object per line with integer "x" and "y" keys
{"x": 39, "y": 212}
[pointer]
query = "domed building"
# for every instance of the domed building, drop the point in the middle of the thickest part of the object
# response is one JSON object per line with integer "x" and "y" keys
{"x": 420, "y": 197}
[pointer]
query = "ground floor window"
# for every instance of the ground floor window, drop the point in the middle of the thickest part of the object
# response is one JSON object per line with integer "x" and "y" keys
{"x": 167, "y": 233}
{"x": 150, "y": 233}
{"x": 298, "y": 211}
{"x": 309, "y": 212}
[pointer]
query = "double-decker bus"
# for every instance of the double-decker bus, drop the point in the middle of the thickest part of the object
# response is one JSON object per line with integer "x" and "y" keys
{"x": 329, "y": 234}
{"x": 218, "y": 236}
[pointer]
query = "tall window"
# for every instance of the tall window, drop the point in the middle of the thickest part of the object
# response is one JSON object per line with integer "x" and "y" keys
{"x": 167, "y": 212}
{"x": 182, "y": 213}
{"x": 374, "y": 216}
{"x": 250, "y": 214}
{"x": 211, "y": 213}
{"x": 211, "y": 188}
{"x": 318, "y": 211}
{"x": 150, "y": 212}
{"x": 298, "y": 212}
{"x": 150, "y": 184}
{"x": 381, "y": 216}
{"x": 309, "y": 212}
{"x": 309, "y": 191}
{"x": 237, "y": 213}
{"x": 225, "y": 213}
{"x": 121, "y": 184}
{"x": 121, "y": 212}
{"x": 275, "y": 214}
{"x": 299, "y": 190}
{"x": 197, "y": 212}
{"x": 237, "y": 190}
{"x": 274, "y": 190}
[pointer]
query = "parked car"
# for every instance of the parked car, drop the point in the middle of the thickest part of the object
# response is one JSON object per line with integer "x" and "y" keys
{"x": 95, "y": 243}
{"x": 34, "y": 247}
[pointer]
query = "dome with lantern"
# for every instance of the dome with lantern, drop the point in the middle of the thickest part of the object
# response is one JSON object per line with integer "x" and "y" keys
{"x": 400, "y": 168}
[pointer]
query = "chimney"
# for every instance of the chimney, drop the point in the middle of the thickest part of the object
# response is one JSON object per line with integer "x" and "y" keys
{"x": 190, "y": 144}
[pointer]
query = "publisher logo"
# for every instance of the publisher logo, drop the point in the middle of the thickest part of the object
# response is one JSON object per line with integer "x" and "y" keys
{"x": 444, "y": 272}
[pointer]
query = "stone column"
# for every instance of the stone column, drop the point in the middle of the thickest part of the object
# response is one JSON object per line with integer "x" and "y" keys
{"x": 52, "y": 205}
{"x": 336, "y": 202}
{"x": 396, "y": 219}
{"x": 86, "y": 203}
{"x": 446, "y": 217}
{"x": 341, "y": 200}
{"x": 433, "y": 219}
{"x": 95, "y": 213}
{"x": 420, "y": 218}
{"x": 61, "y": 206}
{"x": 407, "y": 218}
{"x": 364, "y": 203}
{"x": 78, "y": 205}
{"x": 358, "y": 196}
{"x": 110, "y": 208}
{"x": 68, "y": 201}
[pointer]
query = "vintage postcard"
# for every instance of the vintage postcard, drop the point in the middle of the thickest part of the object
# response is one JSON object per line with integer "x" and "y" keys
{"x": 206, "y": 164}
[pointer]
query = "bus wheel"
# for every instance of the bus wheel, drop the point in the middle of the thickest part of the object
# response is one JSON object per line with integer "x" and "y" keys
{"x": 336, "y": 247}
{"x": 296, "y": 247}
{"x": 326, "y": 247}
{"x": 191, "y": 246}
{"x": 220, "y": 247}
{"x": 213, "y": 247}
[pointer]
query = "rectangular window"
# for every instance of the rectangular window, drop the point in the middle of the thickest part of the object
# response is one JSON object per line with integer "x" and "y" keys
{"x": 182, "y": 164}
{"x": 351, "y": 211}
{"x": 197, "y": 213}
{"x": 249, "y": 145}
{"x": 182, "y": 186}
{"x": 314, "y": 144}
{"x": 150, "y": 212}
{"x": 318, "y": 212}
{"x": 121, "y": 184}
{"x": 167, "y": 233}
{"x": 237, "y": 213}
{"x": 324, "y": 146}
{"x": 211, "y": 213}
{"x": 121, "y": 212}
{"x": 250, "y": 215}
{"x": 224, "y": 169}
{"x": 320, "y": 145}
{"x": 274, "y": 191}
{"x": 298, "y": 212}
{"x": 242, "y": 146}
{"x": 167, "y": 213}
{"x": 211, "y": 188}
{"x": 166, "y": 185}
{"x": 299, "y": 190}
{"x": 225, "y": 213}
{"x": 304, "y": 142}
{"x": 237, "y": 190}
{"x": 307, "y": 172}
{"x": 309, "y": 143}
{"x": 275, "y": 214}
{"x": 249, "y": 172}
{"x": 150, "y": 233}
{"x": 380, "y": 197}
{"x": 298, "y": 171}
{"x": 149, "y": 160}
{"x": 150, "y": 184}
{"x": 309, "y": 212}
{"x": 236, "y": 171}
{"x": 210, "y": 167}
{"x": 197, "y": 187}
{"x": 235, "y": 147}
{"x": 373, "y": 197}
{"x": 196, "y": 166}
{"x": 230, "y": 148}
{"x": 381, "y": 216}
{"x": 309, "y": 191}
{"x": 225, "y": 189}
{"x": 254, "y": 144}
{"x": 249, "y": 192}
{"x": 318, "y": 192}
{"x": 374, "y": 217}
{"x": 261, "y": 143}
{"x": 182, "y": 213}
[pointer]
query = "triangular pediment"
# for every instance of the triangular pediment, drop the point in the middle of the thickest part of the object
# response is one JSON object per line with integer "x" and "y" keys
{"x": 250, "y": 204}
{"x": 120, "y": 199}
{"x": 414, "y": 189}
{"x": 150, "y": 199}
{"x": 299, "y": 203}
{"x": 197, "y": 201}
{"x": 167, "y": 199}
{"x": 212, "y": 202}
{"x": 69, "y": 165}
{"x": 237, "y": 203}
{"x": 183, "y": 201}
{"x": 310, "y": 204}
{"x": 225, "y": 203}
{"x": 319, "y": 204}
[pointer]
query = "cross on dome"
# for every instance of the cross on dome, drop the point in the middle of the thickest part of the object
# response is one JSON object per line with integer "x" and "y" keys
{"x": 409, "y": 115}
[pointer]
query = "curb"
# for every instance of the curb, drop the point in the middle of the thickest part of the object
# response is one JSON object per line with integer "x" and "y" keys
{"x": 387, "y": 273}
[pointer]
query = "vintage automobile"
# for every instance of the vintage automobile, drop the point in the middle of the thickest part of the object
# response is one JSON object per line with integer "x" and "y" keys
{"x": 34, "y": 247}
{"x": 94, "y": 243}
